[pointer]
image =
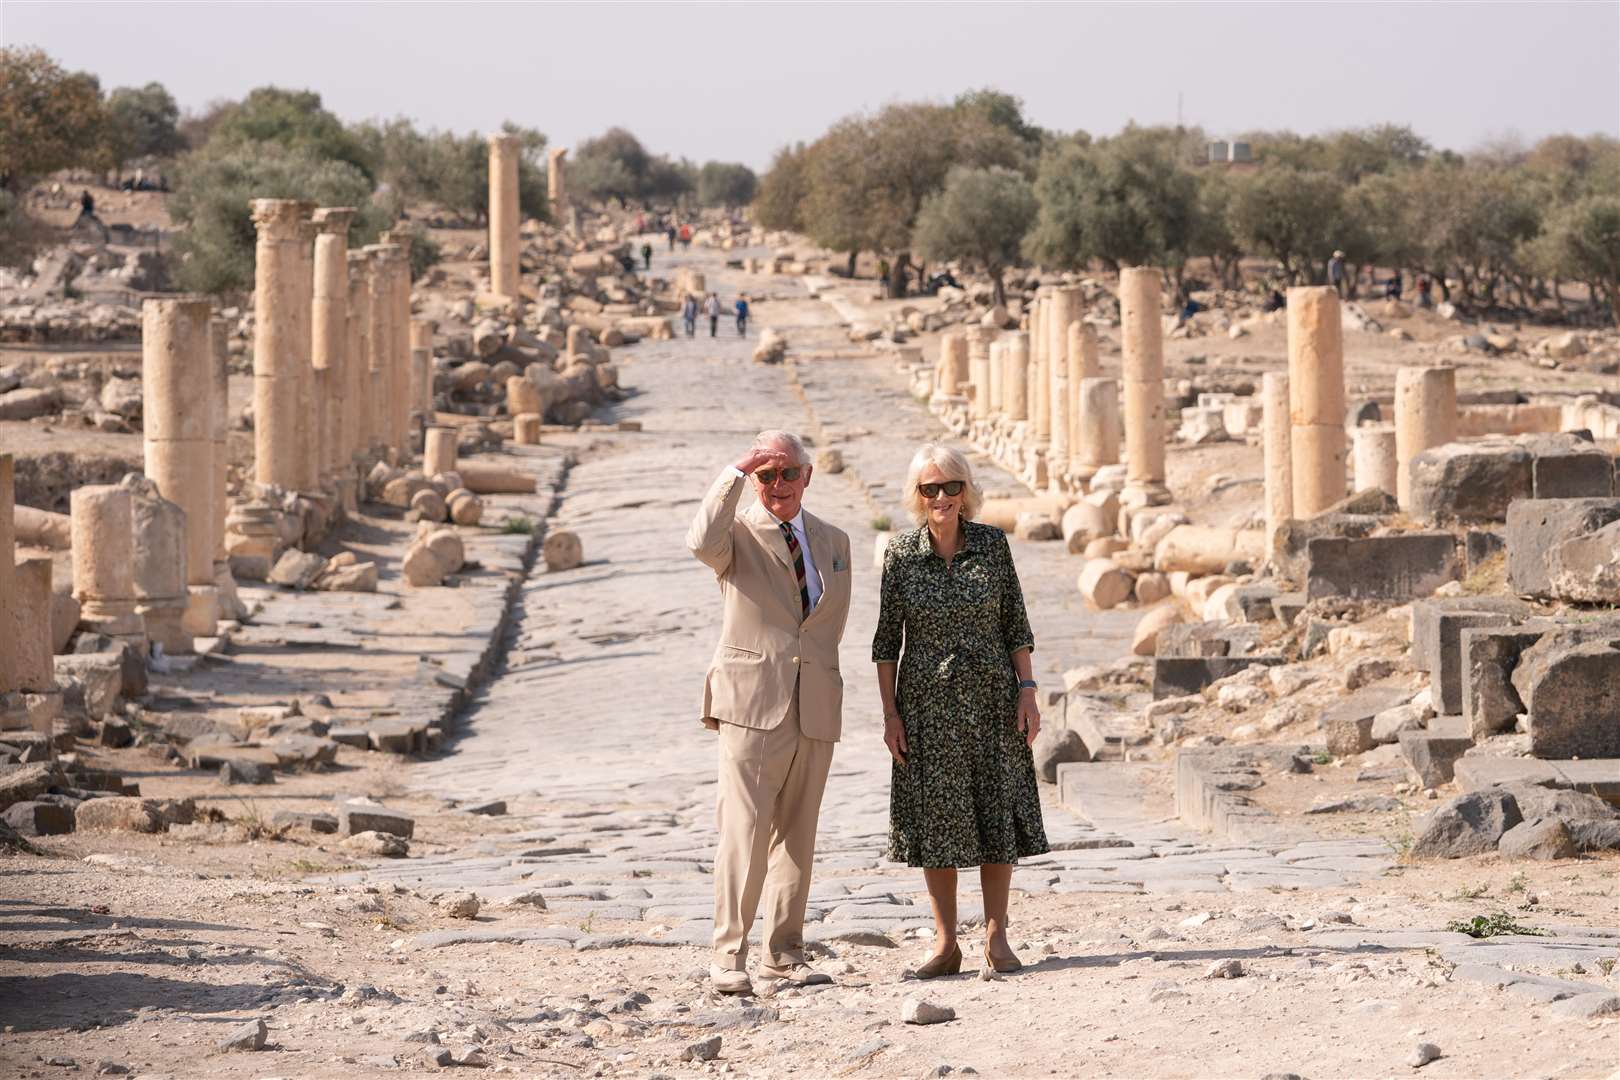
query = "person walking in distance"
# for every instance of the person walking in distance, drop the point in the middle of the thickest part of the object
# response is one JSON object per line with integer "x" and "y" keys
{"x": 742, "y": 316}
{"x": 646, "y": 256}
{"x": 670, "y": 232}
{"x": 689, "y": 308}
{"x": 774, "y": 694}
{"x": 1335, "y": 270}
{"x": 711, "y": 308}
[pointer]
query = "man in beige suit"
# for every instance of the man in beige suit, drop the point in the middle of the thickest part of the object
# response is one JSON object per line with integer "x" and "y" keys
{"x": 774, "y": 694}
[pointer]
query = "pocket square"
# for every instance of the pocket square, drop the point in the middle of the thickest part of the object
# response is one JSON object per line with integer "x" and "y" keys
{"x": 838, "y": 564}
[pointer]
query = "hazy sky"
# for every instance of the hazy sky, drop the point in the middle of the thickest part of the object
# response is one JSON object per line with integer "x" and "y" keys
{"x": 736, "y": 81}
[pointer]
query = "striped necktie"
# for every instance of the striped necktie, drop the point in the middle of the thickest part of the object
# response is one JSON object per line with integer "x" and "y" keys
{"x": 798, "y": 566}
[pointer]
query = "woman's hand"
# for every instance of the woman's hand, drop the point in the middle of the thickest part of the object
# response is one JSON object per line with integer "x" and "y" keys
{"x": 1028, "y": 720}
{"x": 894, "y": 737}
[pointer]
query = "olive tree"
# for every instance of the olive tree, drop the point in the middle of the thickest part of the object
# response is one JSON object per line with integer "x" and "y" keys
{"x": 980, "y": 216}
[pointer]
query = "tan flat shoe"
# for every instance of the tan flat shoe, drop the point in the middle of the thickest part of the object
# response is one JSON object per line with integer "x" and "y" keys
{"x": 1001, "y": 967}
{"x": 948, "y": 964}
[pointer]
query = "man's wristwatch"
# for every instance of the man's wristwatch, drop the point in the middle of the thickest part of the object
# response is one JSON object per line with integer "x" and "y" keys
{"x": 1027, "y": 684}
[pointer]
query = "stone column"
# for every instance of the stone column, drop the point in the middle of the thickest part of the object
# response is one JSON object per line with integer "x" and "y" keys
{"x": 978, "y": 346}
{"x": 504, "y": 216}
{"x": 1276, "y": 442}
{"x": 309, "y": 430}
{"x": 1040, "y": 398}
{"x": 953, "y": 362}
{"x": 158, "y": 540}
{"x": 439, "y": 450}
{"x": 998, "y": 375}
{"x": 1316, "y": 398}
{"x": 331, "y": 338}
{"x": 422, "y": 373}
{"x": 1083, "y": 365}
{"x": 399, "y": 334}
{"x": 357, "y": 392}
{"x": 1063, "y": 307}
{"x": 1425, "y": 416}
{"x": 103, "y": 518}
{"x": 277, "y": 351}
{"x": 228, "y": 605}
{"x": 1373, "y": 450}
{"x": 1142, "y": 334}
{"x": 178, "y": 381}
{"x": 1097, "y": 429}
{"x": 8, "y": 577}
{"x": 557, "y": 185}
{"x": 379, "y": 349}
{"x": 1015, "y": 383}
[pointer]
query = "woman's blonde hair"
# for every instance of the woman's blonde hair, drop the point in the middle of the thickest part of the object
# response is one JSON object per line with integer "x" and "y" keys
{"x": 955, "y": 467}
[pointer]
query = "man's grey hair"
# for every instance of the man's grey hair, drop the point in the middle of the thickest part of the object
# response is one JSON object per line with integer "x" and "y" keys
{"x": 780, "y": 440}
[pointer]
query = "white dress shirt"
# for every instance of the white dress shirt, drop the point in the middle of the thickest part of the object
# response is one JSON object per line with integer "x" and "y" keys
{"x": 812, "y": 576}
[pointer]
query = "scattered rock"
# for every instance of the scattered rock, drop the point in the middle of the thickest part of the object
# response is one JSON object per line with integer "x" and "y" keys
{"x": 1470, "y": 824}
{"x": 459, "y": 905}
{"x": 376, "y": 843}
{"x": 1230, "y": 968}
{"x": 1422, "y": 1054}
{"x": 250, "y": 1036}
{"x": 1543, "y": 839}
{"x": 702, "y": 1050}
{"x": 917, "y": 1011}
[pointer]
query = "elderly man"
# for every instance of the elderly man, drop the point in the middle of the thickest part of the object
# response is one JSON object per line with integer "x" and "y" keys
{"x": 774, "y": 694}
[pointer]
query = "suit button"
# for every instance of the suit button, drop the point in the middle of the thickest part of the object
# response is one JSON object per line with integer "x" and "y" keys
{"x": 795, "y": 659}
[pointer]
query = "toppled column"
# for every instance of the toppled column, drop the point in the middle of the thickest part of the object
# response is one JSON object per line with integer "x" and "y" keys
{"x": 1425, "y": 417}
{"x": 158, "y": 545}
{"x": 178, "y": 382}
{"x": 1083, "y": 365}
{"x": 1063, "y": 309}
{"x": 439, "y": 451}
{"x": 104, "y": 563}
{"x": 1277, "y": 449}
{"x": 978, "y": 346}
{"x": 1097, "y": 430}
{"x": 330, "y": 355}
{"x": 557, "y": 184}
{"x": 1316, "y": 397}
{"x": 1142, "y": 335}
{"x": 8, "y": 576}
{"x": 504, "y": 216}
{"x": 953, "y": 362}
{"x": 1015, "y": 380}
{"x": 1373, "y": 451}
{"x": 278, "y": 354}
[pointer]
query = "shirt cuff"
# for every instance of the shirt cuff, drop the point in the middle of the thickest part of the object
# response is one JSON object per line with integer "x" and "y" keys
{"x": 732, "y": 470}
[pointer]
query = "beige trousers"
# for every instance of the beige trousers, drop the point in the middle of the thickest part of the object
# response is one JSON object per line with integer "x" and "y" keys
{"x": 770, "y": 796}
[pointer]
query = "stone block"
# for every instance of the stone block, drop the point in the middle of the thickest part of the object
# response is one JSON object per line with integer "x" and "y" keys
{"x": 119, "y": 813}
{"x": 1596, "y": 776}
{"x": 1347, "y": 727}
{"x": 1199, "y": 639}
{"x": 359, "y": 817}
{"x": 40, "y": 818}
{"x": 1294, "y": 537}
{"x": 1470, "y": 824}
{"x": 1537, "y": 531}
{"x": 1252, "y": 603}
{"x": 1570, "y": 686}
{"x": 1569, "y": 467}
{"x": 1542, "y": 839}
{"x": 1476, "y": 771}
{"x": 1586, "y": 569}
{"x": 294, "y": 819}
{"x": 1397, "y": 568}
{"x": 1433, "y": 755}
{"x": 1287, "y": 606}
{"x": 1490, "y": 704}
{"x": 1470, "y": 481}
{"x": 1179, "y": 676}
{"x": 100, "y": 676}
{"x": 1437, "y": 626}
{"x": 1481, "y": 545}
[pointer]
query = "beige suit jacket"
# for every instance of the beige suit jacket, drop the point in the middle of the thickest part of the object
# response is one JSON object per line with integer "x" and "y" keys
{"x": 764, "y": 647}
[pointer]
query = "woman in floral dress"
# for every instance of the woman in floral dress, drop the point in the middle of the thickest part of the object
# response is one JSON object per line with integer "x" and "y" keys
{"x": 953, "y": 651}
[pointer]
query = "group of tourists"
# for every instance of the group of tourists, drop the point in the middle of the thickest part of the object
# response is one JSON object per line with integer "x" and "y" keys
{"x": 711, "y": 309}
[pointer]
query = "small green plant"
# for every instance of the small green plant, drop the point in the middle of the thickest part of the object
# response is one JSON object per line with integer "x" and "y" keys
{"x": 1605, "y": 965}
{"x": 1485, "y": 926}
{"x": 1321, "y": 758}
{"x": 519, "y": 524}
{"x": 1518, "y": 883}
{"x": 1466, "y": 893}
{"x": 881, "y": 523}
{"x": 1402, "y": 846}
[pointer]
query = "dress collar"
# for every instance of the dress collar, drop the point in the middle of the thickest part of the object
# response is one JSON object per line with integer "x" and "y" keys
{"x": 975, "y": 537}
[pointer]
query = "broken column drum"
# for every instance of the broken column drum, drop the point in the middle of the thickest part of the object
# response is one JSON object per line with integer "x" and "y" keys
{"x": 953, "y": 362}
{"x": 557, "y": 183}
{"x": 178, "y": 381}
{"x": 1316, "y": 398}
{"x": 978, "y": 346}
{"x": 439, "y": 451}
{"x": 1063, "y": 308}
{"x": 1425, "y": 417}
{"x": 1374, "y": 458}
{"x": 1097, "y": 432}
{"x": 503, "y": 215}
{"x": 158, "y": 540}
{"x": 103, "y": 517}
{"x": 277, "y": 350}
{"x": 998, "y": 376}
{"x": 1142, "y": 338}
{"x": 1083, "y": 365}
{"x": 1015, "y": 379}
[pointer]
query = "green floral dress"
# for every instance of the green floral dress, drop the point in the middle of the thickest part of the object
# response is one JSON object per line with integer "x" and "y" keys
{"x": 966, "y": 795}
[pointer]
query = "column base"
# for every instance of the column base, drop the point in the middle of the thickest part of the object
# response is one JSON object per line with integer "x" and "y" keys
{"x": 163, "y": 626}
{"x": 225, "y": 595}
{"x": 201, "y": 618}
{"x": 1140, "y": 494}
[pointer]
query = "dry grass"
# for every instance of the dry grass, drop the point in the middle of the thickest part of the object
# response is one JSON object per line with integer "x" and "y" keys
{"x": 1490, "y": 576}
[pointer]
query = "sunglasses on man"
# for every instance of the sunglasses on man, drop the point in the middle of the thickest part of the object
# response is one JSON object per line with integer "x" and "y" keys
{"x": 953, "y": 488}
{"x": 768, "y": 476}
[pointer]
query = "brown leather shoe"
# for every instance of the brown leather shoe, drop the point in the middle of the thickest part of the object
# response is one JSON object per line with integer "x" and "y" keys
{"x": 1002, "y": 967}
{"x": 729, "y": 981}
{"x": 948, "y": 964}
{"x": 800, "y": 974}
